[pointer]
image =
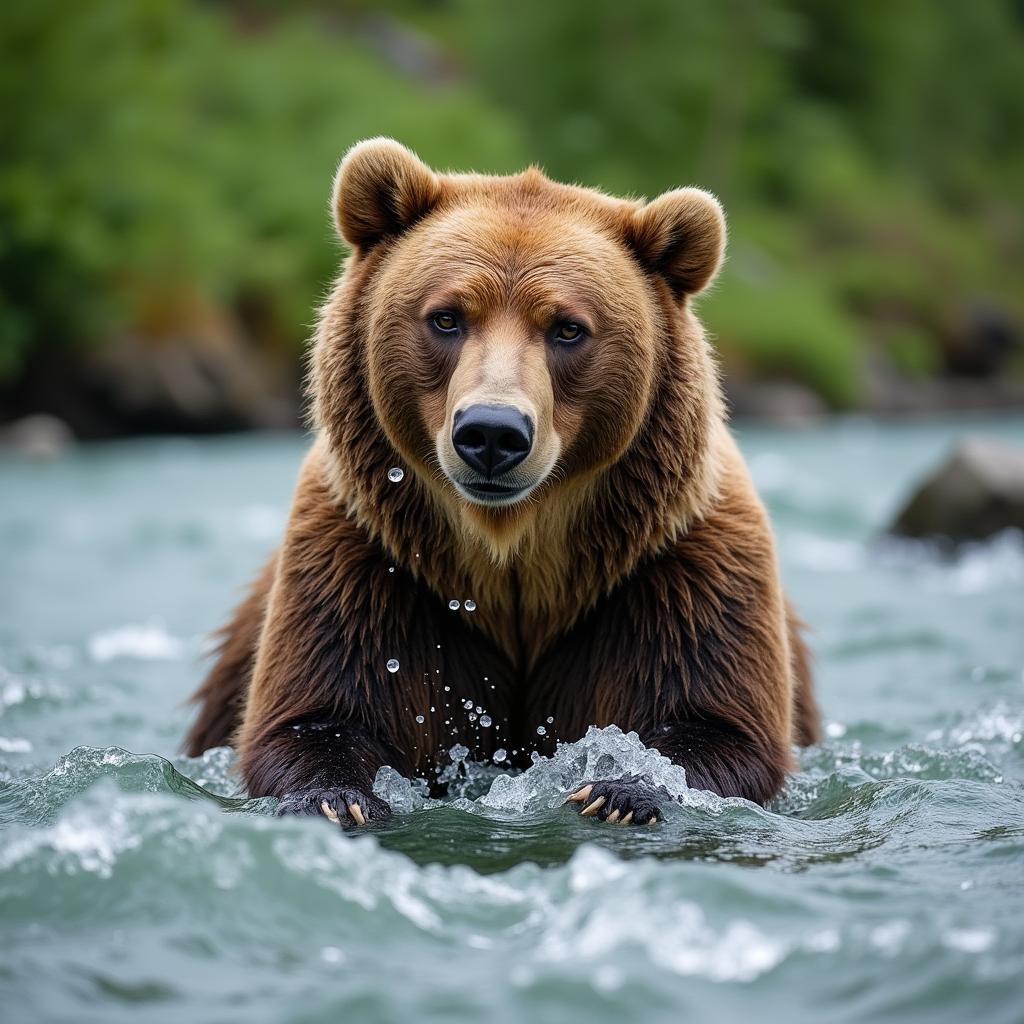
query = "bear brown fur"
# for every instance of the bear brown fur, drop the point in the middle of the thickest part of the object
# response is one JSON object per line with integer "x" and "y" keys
{"x": 623, "y": 573}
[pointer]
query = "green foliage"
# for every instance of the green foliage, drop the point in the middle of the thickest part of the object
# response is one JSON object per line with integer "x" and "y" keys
{"x": 870, "y": 156}
{"x": 162, "y": 159}
{"x": 781, "y": 324}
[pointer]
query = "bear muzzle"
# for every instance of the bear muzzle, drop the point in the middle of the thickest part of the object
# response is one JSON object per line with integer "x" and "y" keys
{"x": 492, "y": 439}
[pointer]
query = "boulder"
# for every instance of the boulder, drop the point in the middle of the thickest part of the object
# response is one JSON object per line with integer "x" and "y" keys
{"x": 976, "y": 492}
{"x": 38, "y": 436}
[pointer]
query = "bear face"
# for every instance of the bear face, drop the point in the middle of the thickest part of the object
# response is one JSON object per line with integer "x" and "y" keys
{"x": 512, "y": 330}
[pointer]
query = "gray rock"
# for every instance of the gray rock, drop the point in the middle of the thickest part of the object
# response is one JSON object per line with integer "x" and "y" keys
{"x": 206, "y": 379}
{"x": 39, "y": 436}
{"x": 977, "y": 492}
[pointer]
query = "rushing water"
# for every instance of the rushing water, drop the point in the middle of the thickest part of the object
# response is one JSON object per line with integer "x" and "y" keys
{"x": 887, "y": 883}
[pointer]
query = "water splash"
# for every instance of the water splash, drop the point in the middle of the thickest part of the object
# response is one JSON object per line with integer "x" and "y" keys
{"x": 606, "y": 753}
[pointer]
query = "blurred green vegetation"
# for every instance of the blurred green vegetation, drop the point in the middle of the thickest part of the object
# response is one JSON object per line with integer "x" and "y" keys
{"x": 166, "y": 162}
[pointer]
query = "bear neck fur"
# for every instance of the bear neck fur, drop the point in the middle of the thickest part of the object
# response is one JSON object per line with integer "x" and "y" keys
{"x": 533, "y": 572}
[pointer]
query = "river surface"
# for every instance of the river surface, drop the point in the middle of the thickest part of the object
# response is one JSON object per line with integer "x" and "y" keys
{"x": 886, "y": 884}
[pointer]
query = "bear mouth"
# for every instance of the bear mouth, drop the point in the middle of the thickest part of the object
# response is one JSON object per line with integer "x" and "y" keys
{"x": 487, "y": 492}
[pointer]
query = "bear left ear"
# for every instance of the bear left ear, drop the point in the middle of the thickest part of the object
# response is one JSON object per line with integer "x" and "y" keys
{"x": 681, "y": 236}
{"x": 381, "y": 189}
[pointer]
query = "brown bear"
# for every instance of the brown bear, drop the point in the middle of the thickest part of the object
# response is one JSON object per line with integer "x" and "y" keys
{"x": 522, "y": 501}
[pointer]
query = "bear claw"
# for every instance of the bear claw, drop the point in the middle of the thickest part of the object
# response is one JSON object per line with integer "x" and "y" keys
{"x": 341, "y": 806}
{"x": 625, "y": 801}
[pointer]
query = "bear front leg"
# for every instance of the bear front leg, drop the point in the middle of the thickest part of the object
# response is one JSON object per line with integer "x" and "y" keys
{"x": 720, "y": 758}
{"x": 319, "y": 766}
{"x": 322, "y": 711}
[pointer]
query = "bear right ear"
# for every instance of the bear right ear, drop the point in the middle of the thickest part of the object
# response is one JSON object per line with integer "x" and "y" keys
{"x": 381, "y": 189}
{"x": 681, "y": 236}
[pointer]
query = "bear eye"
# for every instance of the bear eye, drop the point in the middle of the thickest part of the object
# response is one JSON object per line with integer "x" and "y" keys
{"x": 567, "y": 333}
{"x": 444, "y": 321}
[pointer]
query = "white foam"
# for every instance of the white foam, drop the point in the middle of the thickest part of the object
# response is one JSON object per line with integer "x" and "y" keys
{"x": 79, "y": 842}
{"x": 969, "y": 940}
{"x": 15, "y": 745}
{"x": 996, "y": 724}
{"x": 676, "y": 935}
{"x": 144, "y": 642}
{"x": 890, "y": 937}
{"x": 977, "y": 568}
{"x": 825, "y": 554}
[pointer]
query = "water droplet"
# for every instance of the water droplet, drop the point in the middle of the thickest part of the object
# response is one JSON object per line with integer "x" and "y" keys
{"x": 534, "y": 756}
{"x": 420, "y": 719}
{"x": 499, "y": 755}
{"x": 392, "y": 569}
{"x": 454, "y": 605}
{"x": 541, "y": 731}
{"x": 468, "y": 705}
{"x": 485, "y": 721}
{"x": 472, "y": 716}
{"x": 551, "y": 718}
{"x": 469, "y": 604}
{"x": 396, "y": 474}
{"x": 447, "y": 688}
{"x": 432, "y": 709}
{"x": 479, "y": 710}
{"x": 392, "y": 664}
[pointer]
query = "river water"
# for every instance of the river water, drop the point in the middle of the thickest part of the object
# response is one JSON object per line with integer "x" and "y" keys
{"x": 886, "y": 884}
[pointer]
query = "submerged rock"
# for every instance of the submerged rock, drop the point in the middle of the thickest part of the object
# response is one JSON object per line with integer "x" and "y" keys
{"x": 977, "y": 492}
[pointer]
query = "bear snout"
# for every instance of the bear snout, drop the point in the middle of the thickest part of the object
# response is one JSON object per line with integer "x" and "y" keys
{"x": 492, "y": 439}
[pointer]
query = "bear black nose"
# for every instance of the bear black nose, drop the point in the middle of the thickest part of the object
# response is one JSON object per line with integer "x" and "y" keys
{"x": 492, "y": 439}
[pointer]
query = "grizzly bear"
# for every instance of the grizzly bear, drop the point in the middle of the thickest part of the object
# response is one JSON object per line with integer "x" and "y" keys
{"x": 522, "y": 514}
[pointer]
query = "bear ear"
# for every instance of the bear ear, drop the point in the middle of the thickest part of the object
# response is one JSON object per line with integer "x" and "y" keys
{"x": 381, "y": 189}
{"x": 681, "y": 236}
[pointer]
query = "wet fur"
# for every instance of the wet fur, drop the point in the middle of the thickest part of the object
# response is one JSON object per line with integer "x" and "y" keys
{"x": 638, "y": 587}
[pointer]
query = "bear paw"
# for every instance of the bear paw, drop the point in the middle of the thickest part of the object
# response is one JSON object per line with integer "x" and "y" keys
{"x": 344, "y": 806}
{"x": 626, "y": 801}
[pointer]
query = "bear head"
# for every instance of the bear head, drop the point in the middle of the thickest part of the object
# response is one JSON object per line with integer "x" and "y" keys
{"x": 513, "y": 341}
